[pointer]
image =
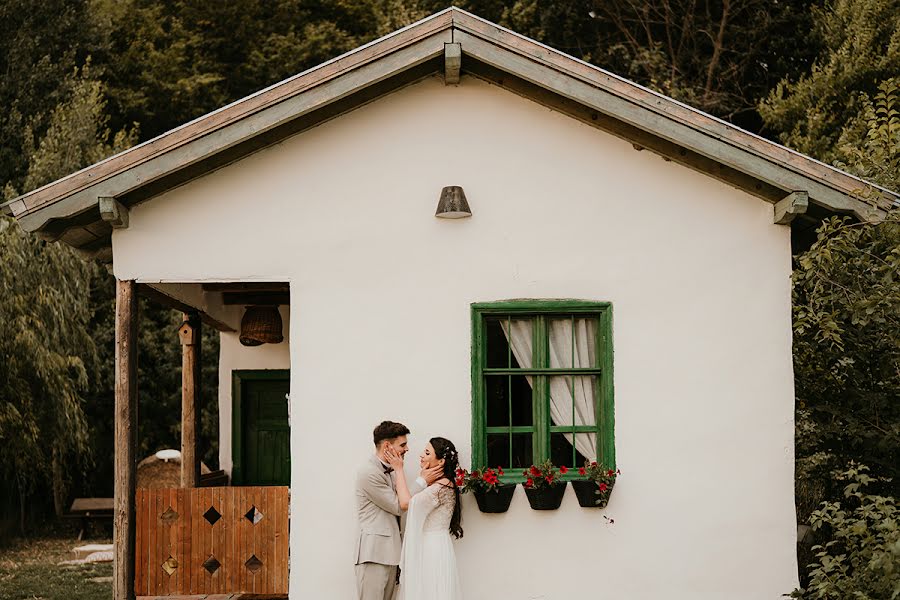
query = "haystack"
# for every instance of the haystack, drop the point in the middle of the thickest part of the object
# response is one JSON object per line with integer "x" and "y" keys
{"x": 162, "y": 470}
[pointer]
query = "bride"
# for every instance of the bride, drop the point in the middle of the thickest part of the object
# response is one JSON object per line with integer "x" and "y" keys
{"x": 427, "y": 561}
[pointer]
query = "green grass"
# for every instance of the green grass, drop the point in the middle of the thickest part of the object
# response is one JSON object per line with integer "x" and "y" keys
{"x": 30, "y": 570}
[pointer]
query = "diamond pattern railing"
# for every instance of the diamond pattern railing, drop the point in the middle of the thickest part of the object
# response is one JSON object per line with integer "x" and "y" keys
{"x": 211, "y": 541}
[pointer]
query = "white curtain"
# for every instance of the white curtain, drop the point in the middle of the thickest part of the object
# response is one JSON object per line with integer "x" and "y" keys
{"x": 570, "y": 347}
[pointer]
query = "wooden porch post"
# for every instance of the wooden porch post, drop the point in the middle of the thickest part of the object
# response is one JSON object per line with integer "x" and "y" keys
{"x": 125, "y": 439}
{"x": 189, "y": 332}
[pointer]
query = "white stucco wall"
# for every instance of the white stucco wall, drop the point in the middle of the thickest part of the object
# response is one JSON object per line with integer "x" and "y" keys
{"x": 380, "y": 292}
{"x": 234, "y": 357}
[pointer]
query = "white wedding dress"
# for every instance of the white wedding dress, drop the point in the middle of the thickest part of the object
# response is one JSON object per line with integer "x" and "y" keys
{"x": 427, "y": 562}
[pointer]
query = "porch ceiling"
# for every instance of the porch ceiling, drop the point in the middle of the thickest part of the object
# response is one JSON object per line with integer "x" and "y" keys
{"x": 219, "y": 305}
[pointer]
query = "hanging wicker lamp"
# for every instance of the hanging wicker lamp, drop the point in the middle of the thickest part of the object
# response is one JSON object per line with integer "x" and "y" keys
{"x": 261, "y": 325}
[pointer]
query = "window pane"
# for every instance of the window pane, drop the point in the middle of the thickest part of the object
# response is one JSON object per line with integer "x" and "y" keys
{"x": 583, "y": 390}
{"x": 522, "y": 450}
{"x": 573, "y": 342}
{"x": 560, "y": 330}
{"x": 497, "y": 400}
{"x": 561, "y": 451}
{"x": 497, "y": 450}
{"x": 586, "y": 446}
{"x": 521, "y": 400}
{"x": 497, "y": 350}
{"x": 585, "y": 356}
{"x": 521, "y": 336}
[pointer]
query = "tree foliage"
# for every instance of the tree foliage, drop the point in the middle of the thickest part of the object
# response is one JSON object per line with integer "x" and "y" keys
{"x": 48, "y": 357}
{"x": 722, "y": 57}
{"x": 861, "y": 40}
{"x": 862, "y": 557}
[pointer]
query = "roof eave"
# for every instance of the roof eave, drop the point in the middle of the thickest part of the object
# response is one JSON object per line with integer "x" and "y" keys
{"x": 483, "y": 42}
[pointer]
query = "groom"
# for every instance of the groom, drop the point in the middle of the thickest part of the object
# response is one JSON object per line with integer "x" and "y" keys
{"x": 378, "y": 510}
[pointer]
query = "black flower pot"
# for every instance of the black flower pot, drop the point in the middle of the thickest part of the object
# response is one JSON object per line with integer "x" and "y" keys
{"x": 546, "y": 497}
{"x": 589, "y": 495}
{"x": 495, "y": 501}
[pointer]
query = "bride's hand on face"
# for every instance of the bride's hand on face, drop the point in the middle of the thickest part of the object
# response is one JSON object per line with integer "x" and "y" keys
{"x": 392, "y": 458}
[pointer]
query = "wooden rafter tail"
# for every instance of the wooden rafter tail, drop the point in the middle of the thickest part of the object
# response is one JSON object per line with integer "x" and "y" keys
{"x": 791, "y": 206}
{"x": 112, "y": 211}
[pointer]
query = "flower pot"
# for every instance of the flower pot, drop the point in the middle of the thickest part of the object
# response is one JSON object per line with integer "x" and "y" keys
{"x": 589, "y": 495}
{"x": 546, "y": 497}
{"x": 495, "y": 501}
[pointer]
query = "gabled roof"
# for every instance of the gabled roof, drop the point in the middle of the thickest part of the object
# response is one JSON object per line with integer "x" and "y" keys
{"x": 70, "y": 208}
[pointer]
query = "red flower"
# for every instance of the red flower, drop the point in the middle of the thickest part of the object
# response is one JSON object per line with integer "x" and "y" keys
{"x": 500, "y": 470}
{"x": 581, "y": 471}
{"x": 594, "y": 464}
{"x": 610, "y": 473}
{"x": 476, "y": 475}
{"x": 603, "y": 487}
{"x": 549, "y": 478}
{"x": 564, "y": 469}
{"x": 529, "y": 482}
{"x": 535, "y": 471}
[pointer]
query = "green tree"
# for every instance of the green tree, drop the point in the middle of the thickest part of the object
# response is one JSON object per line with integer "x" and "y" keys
{"x": 861, "y": 41}
{"x": 847, "y": 332}
{"x": 48, "y": 353}
{"x": 166, "y": 62}
{"x": 861, "y": 559}
{"x": 721, "y": 57}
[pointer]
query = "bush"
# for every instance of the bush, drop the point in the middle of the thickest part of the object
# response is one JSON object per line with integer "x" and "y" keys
{"x": 861, "y": 558}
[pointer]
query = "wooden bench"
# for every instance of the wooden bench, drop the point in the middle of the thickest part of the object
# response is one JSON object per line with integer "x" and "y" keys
{"x": 87, "y": 509}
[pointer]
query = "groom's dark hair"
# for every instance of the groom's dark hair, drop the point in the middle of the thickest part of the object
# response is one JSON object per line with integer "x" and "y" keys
{"x": 388, "y": 430}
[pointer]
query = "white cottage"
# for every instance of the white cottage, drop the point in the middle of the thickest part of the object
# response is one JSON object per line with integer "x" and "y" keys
{"x": 620, "y": 293}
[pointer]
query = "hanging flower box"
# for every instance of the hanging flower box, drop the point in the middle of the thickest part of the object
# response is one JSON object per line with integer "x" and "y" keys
{"x": 544, "y": 486}
{"x": 594, "y": 492}
{"x": 491, "y": 495}
{"x": 496, "y": 501}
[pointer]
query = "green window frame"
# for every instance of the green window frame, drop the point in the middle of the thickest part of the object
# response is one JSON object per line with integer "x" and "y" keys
{"x": 541, "y": 426}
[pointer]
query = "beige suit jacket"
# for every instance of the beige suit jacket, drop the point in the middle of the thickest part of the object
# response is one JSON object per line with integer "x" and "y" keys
{"x": 378, "y": 512}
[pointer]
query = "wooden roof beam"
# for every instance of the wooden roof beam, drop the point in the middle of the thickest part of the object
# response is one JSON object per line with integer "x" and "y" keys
{"x": 256, "y": 298}
{"x": 791, "y": 206}
{"x": 452, "y": 63}
{"x": 173, "y": 296}
{"x": 113, "y": 212}
{"x": 247, "y": 286}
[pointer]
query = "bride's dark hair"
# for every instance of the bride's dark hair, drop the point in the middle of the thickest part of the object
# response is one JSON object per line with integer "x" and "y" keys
{"x": 444, "y": 449}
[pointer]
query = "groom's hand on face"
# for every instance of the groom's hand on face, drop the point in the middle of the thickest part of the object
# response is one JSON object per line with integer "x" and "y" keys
{"x": 433, "y": 474}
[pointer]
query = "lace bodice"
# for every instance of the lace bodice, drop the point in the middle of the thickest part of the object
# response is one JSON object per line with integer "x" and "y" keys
{"x": 439, "y": 500}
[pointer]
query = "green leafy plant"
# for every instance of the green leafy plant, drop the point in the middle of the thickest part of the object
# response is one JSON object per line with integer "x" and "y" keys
{"x": 861, "y": 557}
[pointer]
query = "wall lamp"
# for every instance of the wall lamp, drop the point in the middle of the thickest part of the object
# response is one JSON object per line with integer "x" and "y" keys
{"x": 453, "y": 204}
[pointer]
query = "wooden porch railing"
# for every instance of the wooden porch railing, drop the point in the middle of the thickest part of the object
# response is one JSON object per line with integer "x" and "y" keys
{"x": 211, "y": 541}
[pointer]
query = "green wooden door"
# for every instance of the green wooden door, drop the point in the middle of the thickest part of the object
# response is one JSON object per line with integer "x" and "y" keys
{"x": 262, "y": 443}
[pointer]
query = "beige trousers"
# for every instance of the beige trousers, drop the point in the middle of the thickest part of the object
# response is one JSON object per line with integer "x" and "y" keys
{"x": 375, "y": 581}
